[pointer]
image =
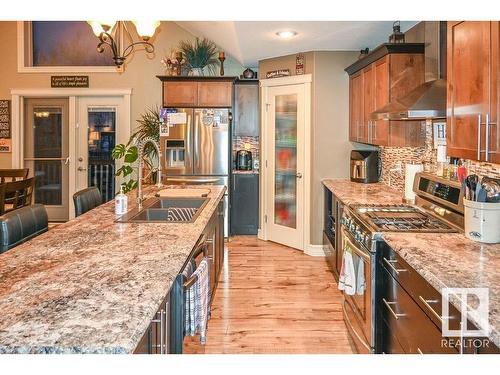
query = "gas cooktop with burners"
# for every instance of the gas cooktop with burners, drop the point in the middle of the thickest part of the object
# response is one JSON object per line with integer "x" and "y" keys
{"x": 438, "y": 208}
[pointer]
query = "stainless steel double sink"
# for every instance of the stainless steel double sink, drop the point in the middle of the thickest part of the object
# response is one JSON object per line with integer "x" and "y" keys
{"x": 165, "y": 209}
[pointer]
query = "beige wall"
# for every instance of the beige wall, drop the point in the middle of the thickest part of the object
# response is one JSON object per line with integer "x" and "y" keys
{"x": 330, "y": 146}
{"x": 139, "y": 75}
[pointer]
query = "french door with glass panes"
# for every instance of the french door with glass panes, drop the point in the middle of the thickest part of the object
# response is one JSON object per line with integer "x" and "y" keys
{"x": 285, "y": 165}
{"x": 46, "y": 153}
{"x": 96, "y": 137}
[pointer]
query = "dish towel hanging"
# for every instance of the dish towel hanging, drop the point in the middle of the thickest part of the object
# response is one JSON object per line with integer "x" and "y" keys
{"x": 360, "y": 278}
{"x": 347, "y": 278}
{"x": 197, "y": 300}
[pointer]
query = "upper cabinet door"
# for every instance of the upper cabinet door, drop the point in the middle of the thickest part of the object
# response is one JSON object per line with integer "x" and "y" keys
{"x": 494, "y": 133}
{"x": 246, "y": 110}
{"x": 368, "y": 103}
{"x": 215, "y": 94}
{"x": 180, "y": 94}
{"x": 380, "y": 128}
{"x": 469, "y": 57}
{"x": 355, "y": 106}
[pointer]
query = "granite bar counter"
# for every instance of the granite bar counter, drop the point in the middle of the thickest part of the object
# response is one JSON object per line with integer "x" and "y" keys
{"x": 445, "y": 260}
{"x": 92, "y": 285}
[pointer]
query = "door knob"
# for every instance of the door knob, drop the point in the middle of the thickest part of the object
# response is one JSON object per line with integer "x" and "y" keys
{"x": 298, "y": 175}
{"x": 81, "y": 169}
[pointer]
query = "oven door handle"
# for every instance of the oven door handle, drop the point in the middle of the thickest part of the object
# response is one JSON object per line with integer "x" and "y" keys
{"x": 353, "y": 248}
{"x": 346, "y": 319}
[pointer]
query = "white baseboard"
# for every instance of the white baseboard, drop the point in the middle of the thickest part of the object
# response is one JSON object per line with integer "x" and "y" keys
{"x": 260, "y": 235}
{"x": 315, "y": 250}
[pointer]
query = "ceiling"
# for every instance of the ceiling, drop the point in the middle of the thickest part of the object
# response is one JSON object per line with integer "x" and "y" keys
{"x": 251, "y": 41}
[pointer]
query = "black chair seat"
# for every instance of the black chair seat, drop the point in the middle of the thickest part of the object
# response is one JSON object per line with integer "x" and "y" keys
{"x": 86, "y": 199}
{"x": 22, "y": 225}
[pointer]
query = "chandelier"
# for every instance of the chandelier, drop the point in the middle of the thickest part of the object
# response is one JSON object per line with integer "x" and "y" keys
{"x": 113, "y": 35}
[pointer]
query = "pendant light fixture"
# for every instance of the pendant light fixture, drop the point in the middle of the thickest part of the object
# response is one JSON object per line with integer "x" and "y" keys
{"x": 113, "y": 33}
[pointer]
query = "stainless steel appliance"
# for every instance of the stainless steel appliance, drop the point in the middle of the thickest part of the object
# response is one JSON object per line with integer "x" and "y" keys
{"x": 365, "y": 166}
{"x": 437, "y": 209}
{"x": 196, "y": 149}
{"x": 244, "y": 160}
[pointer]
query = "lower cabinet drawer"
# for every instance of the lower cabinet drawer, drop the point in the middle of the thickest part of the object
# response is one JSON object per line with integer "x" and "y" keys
{"x": 406, "y": 321}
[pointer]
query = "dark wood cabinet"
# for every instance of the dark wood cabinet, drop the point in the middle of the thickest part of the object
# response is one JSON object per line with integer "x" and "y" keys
{"x": 377, "y": 79}
{"x": 189, "y": 92}
{"x": 165, "y": 333}
{"x": 246, "y": 109}
{"x": 245, "y": 204}
{"x": 472, "y": 103}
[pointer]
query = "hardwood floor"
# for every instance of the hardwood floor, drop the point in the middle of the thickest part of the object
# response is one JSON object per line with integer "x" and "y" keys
{"x": 273, "y": 299}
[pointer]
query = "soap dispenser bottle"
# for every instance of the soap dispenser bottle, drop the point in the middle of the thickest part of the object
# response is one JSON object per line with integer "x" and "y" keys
{"x": 121, "y": 203}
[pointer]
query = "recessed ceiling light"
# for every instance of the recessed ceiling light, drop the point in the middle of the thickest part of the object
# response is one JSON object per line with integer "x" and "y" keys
{"x": 286, "y": 34}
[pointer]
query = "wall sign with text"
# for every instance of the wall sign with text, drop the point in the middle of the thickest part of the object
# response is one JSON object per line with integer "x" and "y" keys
{"x": 4, "y": 118}
{"x": 69, "y": 81}
{"x": 278, "y": 73}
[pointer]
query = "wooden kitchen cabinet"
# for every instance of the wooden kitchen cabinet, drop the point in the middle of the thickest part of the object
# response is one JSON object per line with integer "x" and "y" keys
{"x": 388, "y": 73}
{"x": 356, "y": 107}
{"x": 472, "y": 102}
{"x": 202, "y": 92}
{"x": 246, "y": 109}
{"x": 215, "y": 94}
{"x": 180, "y": 94}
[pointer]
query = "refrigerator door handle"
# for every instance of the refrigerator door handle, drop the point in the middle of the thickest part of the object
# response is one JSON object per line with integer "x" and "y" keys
{"x": 188, "y": 158}
{"x": 197, "y": 124}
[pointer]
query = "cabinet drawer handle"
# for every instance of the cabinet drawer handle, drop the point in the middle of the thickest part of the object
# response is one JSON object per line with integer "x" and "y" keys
{"x": 390, "y": 263}
{"x": 487, "y": 140}
{"x": 419, "y": 351}
{"x": 429, "y": 307}
{"x": 394, "y": 314}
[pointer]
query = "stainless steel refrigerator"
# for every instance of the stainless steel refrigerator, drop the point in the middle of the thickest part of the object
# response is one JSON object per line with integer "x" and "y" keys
{"x": 195, "y": 146}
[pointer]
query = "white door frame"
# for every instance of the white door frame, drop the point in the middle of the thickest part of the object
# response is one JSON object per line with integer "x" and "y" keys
{"x": 306, "y": 80}
{"x": 18, "y": 96}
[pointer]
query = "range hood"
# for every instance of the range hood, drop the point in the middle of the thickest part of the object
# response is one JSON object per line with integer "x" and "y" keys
{"x": 427, "y": 101}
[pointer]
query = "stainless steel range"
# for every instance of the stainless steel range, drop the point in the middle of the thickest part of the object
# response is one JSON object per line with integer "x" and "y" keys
{"x": 438, "y": 208}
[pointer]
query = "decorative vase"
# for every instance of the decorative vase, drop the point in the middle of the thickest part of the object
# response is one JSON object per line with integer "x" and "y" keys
{"x": 196, "y": 72}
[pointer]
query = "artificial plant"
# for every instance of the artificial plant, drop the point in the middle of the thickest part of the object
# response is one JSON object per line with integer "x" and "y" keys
{"x": 149, "y": 126}
{"x": 199, "y": 54}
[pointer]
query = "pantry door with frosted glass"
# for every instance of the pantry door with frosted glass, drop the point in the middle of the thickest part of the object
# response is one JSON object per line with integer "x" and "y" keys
{"x": 285, "y": 165}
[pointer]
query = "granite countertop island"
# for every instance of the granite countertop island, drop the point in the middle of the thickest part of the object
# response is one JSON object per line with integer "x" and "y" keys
{"x": 445, "y": 260}
{"x": 92, "y": 285}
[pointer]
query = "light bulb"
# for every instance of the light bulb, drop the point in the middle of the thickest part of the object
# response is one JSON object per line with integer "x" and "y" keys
{"x": 286, "y": 34}
{"x": 146, "y": 29}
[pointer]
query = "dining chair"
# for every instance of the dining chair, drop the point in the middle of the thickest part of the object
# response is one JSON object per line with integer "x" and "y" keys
{"x": 86, "y": 199}
{"x": 21, "y": 225}
{"x": 10, "y": 175}
{"x": 16, "y": 194}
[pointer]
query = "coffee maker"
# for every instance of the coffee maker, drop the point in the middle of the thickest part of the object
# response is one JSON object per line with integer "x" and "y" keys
{"x": 244, "y": 160}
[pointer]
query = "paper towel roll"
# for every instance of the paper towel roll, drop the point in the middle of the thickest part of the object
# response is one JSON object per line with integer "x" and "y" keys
{"x": 410, "y": 171}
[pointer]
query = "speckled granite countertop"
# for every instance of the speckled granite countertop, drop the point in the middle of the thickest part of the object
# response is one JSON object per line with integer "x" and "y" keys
{"x": 445, "y": 260}
{"x": 352, "y": 192}
{"x": 92, "y": 285}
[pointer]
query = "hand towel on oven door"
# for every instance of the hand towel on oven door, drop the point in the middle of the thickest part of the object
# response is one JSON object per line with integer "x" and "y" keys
{"x": 352, "y": 276}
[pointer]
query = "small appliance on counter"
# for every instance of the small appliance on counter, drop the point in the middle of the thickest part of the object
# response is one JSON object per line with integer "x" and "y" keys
{"x": 244, "y": 160}
{"x": 366, "y": 166}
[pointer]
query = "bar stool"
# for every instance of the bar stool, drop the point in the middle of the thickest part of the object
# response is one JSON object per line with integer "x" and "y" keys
{"x": 86, "y": 199}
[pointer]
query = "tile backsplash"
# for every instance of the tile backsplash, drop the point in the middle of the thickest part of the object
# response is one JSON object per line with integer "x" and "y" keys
{"x": 395, "y": 158}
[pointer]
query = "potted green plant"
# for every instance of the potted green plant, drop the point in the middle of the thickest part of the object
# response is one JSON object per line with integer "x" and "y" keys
{"x": 199, "y": 54}
{"x": 149, "y": 126}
